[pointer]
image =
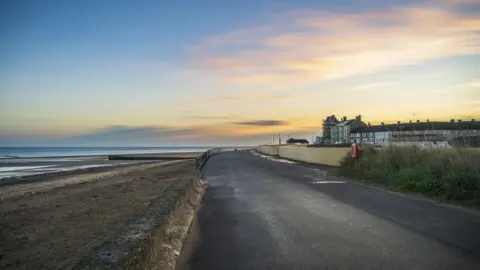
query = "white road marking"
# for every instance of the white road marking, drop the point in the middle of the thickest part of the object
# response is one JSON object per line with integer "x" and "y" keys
{"x": 282, "y": 160}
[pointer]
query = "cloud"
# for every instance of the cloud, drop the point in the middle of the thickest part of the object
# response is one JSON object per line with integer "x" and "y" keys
{"x": 303, "y": 46}
{"x": 371, "y": 86}
{"x": 209, "y": 117}
{"x": 126, "y": 133}
{"x": 255, "y": 132}
{"x": 471, "y": 103}
{"x": 216, "y": 133}
{"x": 465, "y": 87}
{"x": 265, "y": 95}
{"x": 262, "y": 123}
{"x": 456, "y": 2}
{"x": 471, "y": 84}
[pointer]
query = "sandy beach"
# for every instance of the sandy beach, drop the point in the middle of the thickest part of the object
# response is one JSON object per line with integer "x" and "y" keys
{"x": 32, "y": 169}
{"x": 52, "y": 223}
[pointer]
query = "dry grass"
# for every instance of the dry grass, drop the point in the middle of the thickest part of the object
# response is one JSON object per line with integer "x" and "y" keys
{"x": 452, "y": 174}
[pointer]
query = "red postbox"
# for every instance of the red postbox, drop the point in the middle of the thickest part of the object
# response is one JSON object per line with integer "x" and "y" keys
{"x": 355, "y": 150}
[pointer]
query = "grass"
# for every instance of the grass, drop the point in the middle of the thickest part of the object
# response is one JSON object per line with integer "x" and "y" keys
{"x": 450, "y": 174}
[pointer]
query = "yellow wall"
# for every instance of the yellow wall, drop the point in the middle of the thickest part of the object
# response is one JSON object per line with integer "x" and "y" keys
{"x": 318, "y": 155}
{"x": 271, "y": 150}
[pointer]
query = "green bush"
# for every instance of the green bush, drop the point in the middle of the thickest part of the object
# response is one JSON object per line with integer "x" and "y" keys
{"x": 453, "y": 174}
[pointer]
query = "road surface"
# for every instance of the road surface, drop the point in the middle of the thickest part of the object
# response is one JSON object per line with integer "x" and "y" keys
{"x": 259, "y": 213}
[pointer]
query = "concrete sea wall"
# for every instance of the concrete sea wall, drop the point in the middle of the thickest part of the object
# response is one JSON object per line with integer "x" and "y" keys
{"x": 323, "y": 155}
{"x": 318, "y": 155}
{"x": 327, "y": 156}
{"x": 152, "y": 240}
{"x": 271, "y": 150}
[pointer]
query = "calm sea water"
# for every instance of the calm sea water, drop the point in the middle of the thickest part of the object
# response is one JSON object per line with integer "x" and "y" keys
{"x": 20, "y": 152}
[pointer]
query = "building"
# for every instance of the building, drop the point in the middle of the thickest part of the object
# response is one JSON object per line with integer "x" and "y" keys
{"x": 319, "y": 140}
{"x": 297, "y": 141}
{"x": 425, "y": 134}
{"x": 340, "y": 133}
{"x": 328, "y": 123}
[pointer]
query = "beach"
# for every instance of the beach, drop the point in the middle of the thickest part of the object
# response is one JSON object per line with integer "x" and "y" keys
{"x": 56, "y": 209}
{"x": 28, "y": 168}
{"x": 55, "y": 221}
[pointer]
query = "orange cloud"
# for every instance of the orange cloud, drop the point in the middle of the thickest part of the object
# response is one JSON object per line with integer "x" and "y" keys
{"x": 244, "y": 128}
{"x": 317, "y": 46}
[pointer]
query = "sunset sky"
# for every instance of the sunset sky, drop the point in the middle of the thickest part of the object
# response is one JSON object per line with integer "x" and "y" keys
{"x": 214, "y": 72}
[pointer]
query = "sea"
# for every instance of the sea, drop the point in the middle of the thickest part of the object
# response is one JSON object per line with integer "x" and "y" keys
{"x": 16, "y": 163}
{"x": 29, "y": 152}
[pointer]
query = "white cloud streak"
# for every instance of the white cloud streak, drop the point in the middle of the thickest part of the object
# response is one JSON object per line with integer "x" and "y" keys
{"x": 372, "y": 86}
{"x": 317, "y": 45}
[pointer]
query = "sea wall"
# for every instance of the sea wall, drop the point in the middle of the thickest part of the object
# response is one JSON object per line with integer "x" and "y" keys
{"x": 319, "y": 155}
{"x": 271, "y": 150}
{"x": 330, "y": 156}
{"x": 153, "y": 240}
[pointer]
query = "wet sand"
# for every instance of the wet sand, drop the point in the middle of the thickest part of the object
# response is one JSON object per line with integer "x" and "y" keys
{"x": 24, "y": 170}
{"x": 180, "y": 155}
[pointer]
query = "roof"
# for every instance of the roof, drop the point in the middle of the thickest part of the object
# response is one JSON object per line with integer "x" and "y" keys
{"x": 466, "y": 125}
{"x": 292, "y": 140}
{"x": 331, "y": 119}
{"x": 345, "y": 123}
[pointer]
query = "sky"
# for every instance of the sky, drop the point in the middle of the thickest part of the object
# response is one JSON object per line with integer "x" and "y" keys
{"x": 184, "y": 73}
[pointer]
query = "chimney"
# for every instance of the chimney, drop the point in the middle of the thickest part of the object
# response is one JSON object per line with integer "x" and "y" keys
{"x": 359, "y": 117}
{"x": 418, "y": 121}
{"x": 344, "y": 118}
{"x": 369, "y": 124}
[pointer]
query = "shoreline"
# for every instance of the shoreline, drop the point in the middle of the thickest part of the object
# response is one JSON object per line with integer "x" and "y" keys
{"x": 41, "y": 177}
{"x": 99, "y": 156}
{"x": 43, "y": 183}
{"x": 59, "y": 167}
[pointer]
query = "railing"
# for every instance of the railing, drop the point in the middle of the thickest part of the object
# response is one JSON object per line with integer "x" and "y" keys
{"x": 202, "y": 160}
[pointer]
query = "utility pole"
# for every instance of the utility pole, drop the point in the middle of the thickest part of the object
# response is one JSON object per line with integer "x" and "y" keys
{"x": 279, "y": 139}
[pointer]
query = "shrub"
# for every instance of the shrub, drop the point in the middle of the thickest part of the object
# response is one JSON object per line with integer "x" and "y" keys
{"x": 453, "y": 174}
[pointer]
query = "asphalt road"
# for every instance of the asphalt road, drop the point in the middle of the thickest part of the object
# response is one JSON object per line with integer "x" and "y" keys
{"x": 263, "y": 214}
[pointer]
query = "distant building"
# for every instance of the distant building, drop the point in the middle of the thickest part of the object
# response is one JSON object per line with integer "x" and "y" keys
{"x": 297, "y": 141}
{"x": 428, "y": 134}
{"x": 328, "y": 123}
{"x": 340, "y": 133}
{"x": 319, "y": 140}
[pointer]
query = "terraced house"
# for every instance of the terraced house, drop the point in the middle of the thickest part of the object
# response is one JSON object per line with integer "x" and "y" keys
{"x": 340, "y": 133}
{"x": 440, "y": 134}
